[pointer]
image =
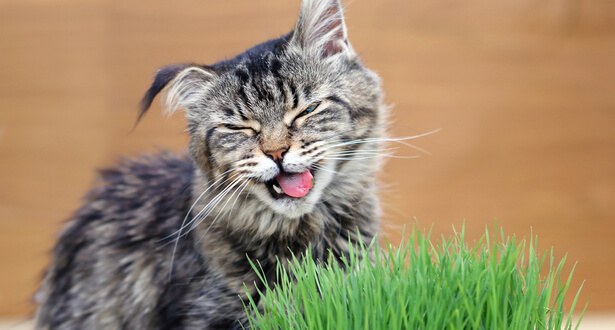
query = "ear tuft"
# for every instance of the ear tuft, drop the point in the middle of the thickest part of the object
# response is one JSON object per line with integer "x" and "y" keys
{"x": 321, "y": 28}
{"x": 187, "y": 87}
{"x": 183, "y": 82}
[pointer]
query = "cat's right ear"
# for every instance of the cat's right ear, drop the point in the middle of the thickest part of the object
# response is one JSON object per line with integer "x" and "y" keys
{"x": 182, "y": 84}
{"x": 321, "y": 29}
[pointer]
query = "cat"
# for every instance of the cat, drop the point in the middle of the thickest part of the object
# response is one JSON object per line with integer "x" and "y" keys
{"x": 283, "y": 155}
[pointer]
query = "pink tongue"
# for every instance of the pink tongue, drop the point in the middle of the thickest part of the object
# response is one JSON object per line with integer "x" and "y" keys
{"x": 295, "y": 184}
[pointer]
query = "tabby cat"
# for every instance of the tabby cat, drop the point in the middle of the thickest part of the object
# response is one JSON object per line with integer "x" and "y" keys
{"x": 283, "y": 154}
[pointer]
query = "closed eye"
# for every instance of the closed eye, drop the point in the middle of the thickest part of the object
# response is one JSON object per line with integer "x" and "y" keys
{"x": 233, "y": 127}
{"x": 309, "y": 109}
{"x": 239, "y": 128}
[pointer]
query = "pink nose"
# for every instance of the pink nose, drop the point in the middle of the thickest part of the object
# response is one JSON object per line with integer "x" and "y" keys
{"x": 276, "y": 154}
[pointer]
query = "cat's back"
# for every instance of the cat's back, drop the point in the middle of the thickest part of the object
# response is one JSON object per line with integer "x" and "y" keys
{"x": 111, "y": 262}
{"x": 136, "y": 204}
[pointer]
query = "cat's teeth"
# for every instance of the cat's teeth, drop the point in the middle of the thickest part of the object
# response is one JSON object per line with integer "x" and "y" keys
{"x": 277, "y": 189}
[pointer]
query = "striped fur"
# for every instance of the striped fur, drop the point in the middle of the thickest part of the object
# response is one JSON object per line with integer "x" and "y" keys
{"x": 162, "y": 242}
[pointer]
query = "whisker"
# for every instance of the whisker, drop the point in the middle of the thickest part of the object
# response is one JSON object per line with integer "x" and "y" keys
{"x": 321, "y": 168}
{"x": 372, "y": 157}
{"x": 361, "y": 152}
{"x": 397, "y": 140}
{"x": 378, "y": 149}
{"x": 337, "y": 134}
{"x": 243, "y": 187}
{"x": 179, "y": 232}
{"x": 222, "y": 210}
{"x": 213, "y": 203}
{"x": 221, "y": 176}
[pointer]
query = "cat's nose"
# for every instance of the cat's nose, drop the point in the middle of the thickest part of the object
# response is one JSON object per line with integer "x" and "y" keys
{"x": 277, "y": 155}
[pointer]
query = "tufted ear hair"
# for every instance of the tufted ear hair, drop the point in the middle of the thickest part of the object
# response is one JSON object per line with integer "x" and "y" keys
{"x": 182, "y": 84}
{"x": 320, "y": 28}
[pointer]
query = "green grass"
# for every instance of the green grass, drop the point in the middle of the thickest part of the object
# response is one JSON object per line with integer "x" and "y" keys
{"x": 422, "y": 284}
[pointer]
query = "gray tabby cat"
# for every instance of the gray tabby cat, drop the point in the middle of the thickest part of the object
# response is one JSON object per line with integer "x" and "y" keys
{"x": 283, "y": 155}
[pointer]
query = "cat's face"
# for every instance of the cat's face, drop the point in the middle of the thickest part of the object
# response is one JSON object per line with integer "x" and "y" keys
{"x": 278, "y": 122}
{"x": 277, "y": 116}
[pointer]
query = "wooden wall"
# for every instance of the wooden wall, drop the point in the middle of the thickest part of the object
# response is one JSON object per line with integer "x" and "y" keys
{"x": 521, "y": 90}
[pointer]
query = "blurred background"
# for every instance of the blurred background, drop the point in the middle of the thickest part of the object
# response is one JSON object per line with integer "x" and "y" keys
{"x": 522, "y": 91}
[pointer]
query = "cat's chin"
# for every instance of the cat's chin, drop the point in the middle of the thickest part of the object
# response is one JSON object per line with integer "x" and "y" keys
{"x": 292, "y": 207}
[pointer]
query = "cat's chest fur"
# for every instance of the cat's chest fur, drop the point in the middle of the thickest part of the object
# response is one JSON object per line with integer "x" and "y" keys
{"x": 228, "y": 241}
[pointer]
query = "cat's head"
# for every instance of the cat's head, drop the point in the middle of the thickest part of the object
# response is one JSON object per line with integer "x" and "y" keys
{"x": 282, "y": 112}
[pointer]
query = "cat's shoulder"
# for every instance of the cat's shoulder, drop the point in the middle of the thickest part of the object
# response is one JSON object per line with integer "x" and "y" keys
{"x": 140, "y": 198}
{"x": 162, "y": 173}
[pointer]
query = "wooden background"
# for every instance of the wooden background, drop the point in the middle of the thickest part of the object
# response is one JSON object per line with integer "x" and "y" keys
{"x": 521, "y": 90}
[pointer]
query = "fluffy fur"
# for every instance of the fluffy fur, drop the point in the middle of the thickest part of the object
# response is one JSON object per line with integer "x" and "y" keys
{"x": 164, "y": 241}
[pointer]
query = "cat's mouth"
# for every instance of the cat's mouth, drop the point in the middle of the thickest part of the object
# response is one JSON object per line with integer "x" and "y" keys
{"x": 290, "y": 185}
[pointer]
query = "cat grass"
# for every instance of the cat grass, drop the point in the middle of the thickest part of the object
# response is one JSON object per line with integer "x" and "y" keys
{"x": 422, "y": 284}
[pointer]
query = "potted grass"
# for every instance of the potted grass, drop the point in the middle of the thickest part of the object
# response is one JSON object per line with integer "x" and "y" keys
{"x": 422, "y": 284}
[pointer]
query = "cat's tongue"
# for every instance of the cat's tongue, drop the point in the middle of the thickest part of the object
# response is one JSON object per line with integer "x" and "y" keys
{"x": 295, "y": 184}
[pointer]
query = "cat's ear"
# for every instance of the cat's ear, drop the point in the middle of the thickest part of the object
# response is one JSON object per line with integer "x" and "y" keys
{"x": 182, "y": 84}
{"x": 321, "y": 28}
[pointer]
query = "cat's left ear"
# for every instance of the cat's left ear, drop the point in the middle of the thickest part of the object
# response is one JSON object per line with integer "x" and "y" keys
{"x": 182, "y": 84}
{"x": 320, "y": 28}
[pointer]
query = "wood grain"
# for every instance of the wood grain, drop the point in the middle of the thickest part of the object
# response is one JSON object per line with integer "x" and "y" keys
{"x": 522, "y": 92}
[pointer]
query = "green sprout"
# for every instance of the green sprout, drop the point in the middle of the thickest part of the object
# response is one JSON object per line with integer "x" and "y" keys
{"x": 496, "y": 284}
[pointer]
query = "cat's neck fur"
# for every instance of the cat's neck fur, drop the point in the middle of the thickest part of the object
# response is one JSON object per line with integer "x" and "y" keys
{"x": 227, "y": 238}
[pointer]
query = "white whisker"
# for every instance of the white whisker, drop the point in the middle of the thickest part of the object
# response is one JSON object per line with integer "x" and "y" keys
{"x": 361, "y": 152}
{"x": 242, "y": 187}
{"x": 212, "y": 185}
{"x": 179, "y": 232}
{"x": 213, "y": 203}
{"x": 371, "y": 157}
{"x": 397, "y": 140}
{"x": 222, "y": 210}
{"x": 322, "y": 168}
